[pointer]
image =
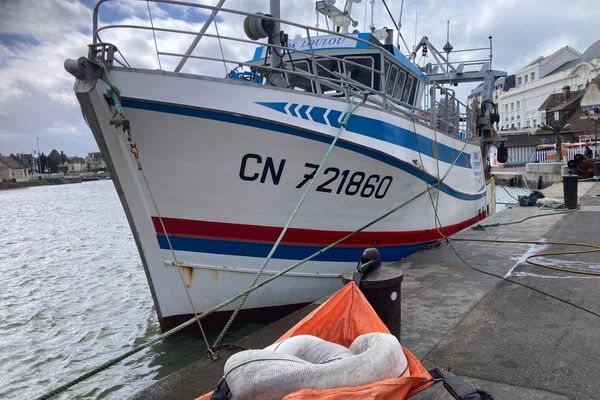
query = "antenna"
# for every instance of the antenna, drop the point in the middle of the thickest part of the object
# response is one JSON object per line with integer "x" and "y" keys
{"x": 372, "y": 26}
{"x": 416, "y": 24}
{"x": 400, "y": 25}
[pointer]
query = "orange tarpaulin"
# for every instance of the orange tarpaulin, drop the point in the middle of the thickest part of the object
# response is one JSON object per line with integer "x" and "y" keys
{"x": 341, "y": 319}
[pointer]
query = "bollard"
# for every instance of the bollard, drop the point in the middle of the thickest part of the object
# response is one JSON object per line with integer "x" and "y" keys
{"x": 597, "y": 170}
{"x": 570, "y": 190}
{"x": 381, "y": 287}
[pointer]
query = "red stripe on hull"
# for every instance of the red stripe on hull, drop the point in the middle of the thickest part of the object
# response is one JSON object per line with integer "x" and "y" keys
{"x": 298, "y": 236}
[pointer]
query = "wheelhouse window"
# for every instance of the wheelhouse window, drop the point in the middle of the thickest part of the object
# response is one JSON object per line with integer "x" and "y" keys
{"x": 361, "y": 73}
{"x": 300, "y": 82}
{"x": 399, "y": 84}
{"x": 325, "y": 69}
{"x": 409, "y": 89}
{"x": 390, "y": 82}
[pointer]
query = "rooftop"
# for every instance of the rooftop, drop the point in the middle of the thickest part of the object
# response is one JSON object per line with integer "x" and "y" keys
{"x": 11, "y": 162}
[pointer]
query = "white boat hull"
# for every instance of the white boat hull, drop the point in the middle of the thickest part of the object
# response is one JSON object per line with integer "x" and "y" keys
{"x": 224, "y": 164}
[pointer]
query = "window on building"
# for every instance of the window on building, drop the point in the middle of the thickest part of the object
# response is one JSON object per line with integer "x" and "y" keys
{"x": 532, "y": 76}
{"x": 534, "y": 122}
{"x": 506, "y": 108}
{"x": 526, "y": 78}
{"x": 518, "y": 105}
{"x": 512, "y": 106}
{"x": 520, "y": 81}
{"x": 518, "y": 125}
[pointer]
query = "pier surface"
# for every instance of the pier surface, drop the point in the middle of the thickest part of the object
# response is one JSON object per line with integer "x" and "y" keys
{"x": 512, "y": 341}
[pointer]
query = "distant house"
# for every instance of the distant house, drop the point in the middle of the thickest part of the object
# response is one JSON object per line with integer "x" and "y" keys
{"x": 95, "y": 162}
{"x": 520, "y": 96}
{"x": 28, "y": 160}
{"x": 567, "y": 107}
{"x": 12, "y": 168}
{"x": 76, "y": 164}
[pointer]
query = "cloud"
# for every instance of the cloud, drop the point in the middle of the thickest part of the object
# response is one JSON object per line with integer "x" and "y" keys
{"x": 36, "y": 97}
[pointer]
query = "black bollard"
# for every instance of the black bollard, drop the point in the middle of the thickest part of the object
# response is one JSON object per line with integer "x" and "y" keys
{"x": 381, "y": 287}
{"x": 570, "y": 190}
{"x": 597, "y": 170}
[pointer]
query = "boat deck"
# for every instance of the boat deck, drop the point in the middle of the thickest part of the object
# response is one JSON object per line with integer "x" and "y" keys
{"x": 511, "y": 341}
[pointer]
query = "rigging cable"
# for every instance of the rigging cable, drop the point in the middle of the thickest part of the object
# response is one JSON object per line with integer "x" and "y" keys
{"x": 396, "y": 25}
{"x": 119, "y": 120}
{"x": 154, "y": 35}
{"x": 351, "y": 108}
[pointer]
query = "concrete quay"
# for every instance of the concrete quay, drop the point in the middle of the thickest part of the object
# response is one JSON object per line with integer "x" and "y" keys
{"x": 514, "y": 342}
{"x": 533, "y": 175}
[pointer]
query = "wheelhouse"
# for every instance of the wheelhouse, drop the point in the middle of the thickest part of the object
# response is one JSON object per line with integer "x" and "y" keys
{"x": 326, "y": 64}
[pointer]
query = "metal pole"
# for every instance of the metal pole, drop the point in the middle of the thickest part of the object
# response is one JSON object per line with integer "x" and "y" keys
{"x": 276, "y": 13}
{"x": 596, "y": 138}
{"x": 209, "y": 21}
{"x": 39, "y": 159}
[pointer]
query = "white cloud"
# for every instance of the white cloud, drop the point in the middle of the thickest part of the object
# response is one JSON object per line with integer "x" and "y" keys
{"x": 36, "y": 97}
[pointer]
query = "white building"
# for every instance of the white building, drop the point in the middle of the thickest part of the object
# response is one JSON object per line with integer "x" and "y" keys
{"x": 520, "y": 96}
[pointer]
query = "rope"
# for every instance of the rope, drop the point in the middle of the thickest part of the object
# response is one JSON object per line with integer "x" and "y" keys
{"x": 437, "y": 222}
{"x": 220, "y": 45}
{"x": 351, "y": 108}
{"x": 225, "y": 303}
{"x": 496, "y": 224}
{"x": 448, "y": 240}
{"x": 154, "y": 35}
{"x": 507, "y": 192}
{"x": 120, "y": 120}
{"x": 592, "y": 249}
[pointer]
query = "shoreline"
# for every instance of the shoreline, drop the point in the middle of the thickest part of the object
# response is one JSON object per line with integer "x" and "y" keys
{"x": 51, "y": 181}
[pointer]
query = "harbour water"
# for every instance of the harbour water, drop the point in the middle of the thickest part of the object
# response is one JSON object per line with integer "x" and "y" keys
{"x": 73, "y": 294}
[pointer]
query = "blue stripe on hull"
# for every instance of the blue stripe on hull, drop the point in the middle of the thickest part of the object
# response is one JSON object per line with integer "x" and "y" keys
{"x": 291, "y": 130}
{"x": 382, "y": 130}
{"x": 289, "y": 252}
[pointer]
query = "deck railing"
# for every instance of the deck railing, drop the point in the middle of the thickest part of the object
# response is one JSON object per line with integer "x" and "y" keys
{"x": 216, "y": 52}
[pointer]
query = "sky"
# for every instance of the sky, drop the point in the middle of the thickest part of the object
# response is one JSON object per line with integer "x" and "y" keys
{"x": 37, "y": 101}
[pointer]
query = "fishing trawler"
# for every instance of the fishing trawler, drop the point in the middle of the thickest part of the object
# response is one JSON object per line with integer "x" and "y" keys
{"x": 259, "y": 146}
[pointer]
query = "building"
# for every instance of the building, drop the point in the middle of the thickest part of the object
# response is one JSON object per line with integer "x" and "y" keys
{"x": 76, "y": 164}
{"x": 520, "y": 96}
{"x": 95, "y": 162}
{"x": 29, "y": 160}
{"x": 12, "y": 168}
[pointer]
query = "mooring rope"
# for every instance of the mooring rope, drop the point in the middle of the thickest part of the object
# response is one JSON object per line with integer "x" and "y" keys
{"x": 350, "y": 110}
{"x": 119, "y": 120}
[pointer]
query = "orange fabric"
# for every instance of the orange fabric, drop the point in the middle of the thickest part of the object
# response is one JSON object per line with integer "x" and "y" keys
{"x": 341, "y": 319}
